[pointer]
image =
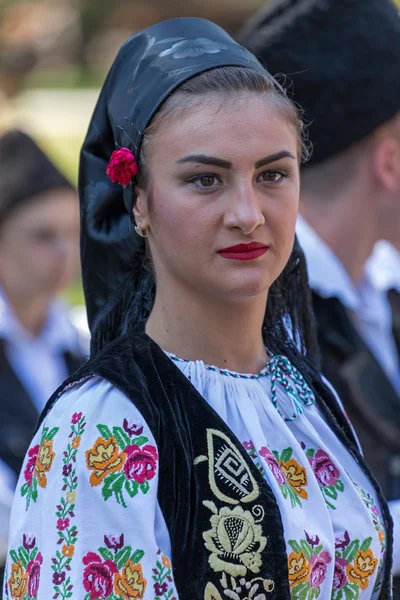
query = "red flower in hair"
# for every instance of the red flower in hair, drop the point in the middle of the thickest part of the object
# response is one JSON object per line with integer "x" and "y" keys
{"x": 122, "y": 166}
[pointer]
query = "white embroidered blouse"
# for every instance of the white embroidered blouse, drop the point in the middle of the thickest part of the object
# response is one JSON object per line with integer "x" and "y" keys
{"x": 86, "y": 522}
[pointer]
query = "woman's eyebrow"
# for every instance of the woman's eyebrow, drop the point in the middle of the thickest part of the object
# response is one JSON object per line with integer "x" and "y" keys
{"x": 273, "y": 157}
{"x": 226, "y": 164}
{"x": 206, "y": 160}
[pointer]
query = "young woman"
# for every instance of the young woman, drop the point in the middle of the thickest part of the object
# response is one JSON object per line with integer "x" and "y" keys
{"x": 198, "y": 454}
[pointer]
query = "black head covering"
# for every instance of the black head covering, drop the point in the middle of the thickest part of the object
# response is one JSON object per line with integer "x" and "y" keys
{"x": 148, "y": 68}
{"x": 25, "y": 172}
{"x": 343, "y": 57}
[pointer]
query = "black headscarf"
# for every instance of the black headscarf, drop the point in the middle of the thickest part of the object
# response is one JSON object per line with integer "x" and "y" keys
{"x": 148, "y": 68}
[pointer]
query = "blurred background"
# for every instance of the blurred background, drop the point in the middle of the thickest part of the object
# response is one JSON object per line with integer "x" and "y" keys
{"x": 54, "y": 55}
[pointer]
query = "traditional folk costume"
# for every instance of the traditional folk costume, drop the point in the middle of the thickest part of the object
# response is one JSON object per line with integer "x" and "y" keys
{"x": 346, "y": 81}
{"x": 153, "y": 477}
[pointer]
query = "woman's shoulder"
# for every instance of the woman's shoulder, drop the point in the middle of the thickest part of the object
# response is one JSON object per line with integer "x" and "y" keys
{"x": 93, "y": 396}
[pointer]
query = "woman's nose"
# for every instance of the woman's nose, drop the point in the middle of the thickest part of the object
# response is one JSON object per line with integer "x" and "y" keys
{"x": 244, "y": 210}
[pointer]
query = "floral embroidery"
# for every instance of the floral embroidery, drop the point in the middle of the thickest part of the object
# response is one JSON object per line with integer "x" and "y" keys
{"x": 289, "y": 474}
{"x": 162, "y": 579}
{"x": 235, "y": 541}
{"x": 354, "y": 565}
{"x": 308, "y": 565}
{"x": 379, "y": 528}
{"x": 122, "y": 461}
{"x": 24, "y": 580}
{"x": 66, "y": 530}
{"x": 40, "y": 461}
{"x": 193, "y": 48}
{"x": 252, "y": 452}
{"x": 327, "y": 475}
{"x": 114, "y": 572}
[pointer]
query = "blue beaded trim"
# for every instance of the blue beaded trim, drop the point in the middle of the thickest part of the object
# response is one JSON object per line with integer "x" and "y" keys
{"x": 281, "y": 370}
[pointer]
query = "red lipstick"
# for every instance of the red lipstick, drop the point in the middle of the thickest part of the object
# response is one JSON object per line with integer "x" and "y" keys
{"x": 244, "y": 251}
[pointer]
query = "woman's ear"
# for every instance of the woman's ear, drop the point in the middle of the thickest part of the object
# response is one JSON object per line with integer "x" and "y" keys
{"x": 140, "y": 209}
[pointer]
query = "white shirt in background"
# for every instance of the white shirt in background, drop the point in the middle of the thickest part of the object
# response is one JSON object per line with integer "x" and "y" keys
{"x": 372, "y": 318}
{"x": 384, "y": 266}
{"x": 369, "y": 302}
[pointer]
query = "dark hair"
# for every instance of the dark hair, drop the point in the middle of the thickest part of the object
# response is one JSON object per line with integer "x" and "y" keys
{"x": 288, "y": 326}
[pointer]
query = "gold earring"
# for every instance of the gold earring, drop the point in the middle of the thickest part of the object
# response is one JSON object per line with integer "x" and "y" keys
{"x": 139, "y": 231}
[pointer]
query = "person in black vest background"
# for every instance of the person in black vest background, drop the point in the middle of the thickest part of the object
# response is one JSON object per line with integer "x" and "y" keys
{"x": 39, "y": 345}
{"x": 343, "y": 59}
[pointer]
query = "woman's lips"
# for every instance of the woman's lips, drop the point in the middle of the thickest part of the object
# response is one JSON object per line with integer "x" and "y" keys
{"x": 244, "y": 251}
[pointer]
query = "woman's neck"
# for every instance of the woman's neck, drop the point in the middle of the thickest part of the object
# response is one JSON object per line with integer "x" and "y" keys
{"x": 227, "y": 335}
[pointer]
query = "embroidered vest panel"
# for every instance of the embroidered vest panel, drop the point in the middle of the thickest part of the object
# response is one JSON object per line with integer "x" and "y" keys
{"x": 223, "y": 519}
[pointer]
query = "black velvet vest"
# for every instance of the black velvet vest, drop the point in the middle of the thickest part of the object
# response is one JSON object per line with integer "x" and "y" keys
{"x": 223, "y": 519}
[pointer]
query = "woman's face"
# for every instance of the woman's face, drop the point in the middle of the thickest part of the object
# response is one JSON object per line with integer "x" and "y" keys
{"x": 39, "y": 245}
{"x": 221, "y": 177}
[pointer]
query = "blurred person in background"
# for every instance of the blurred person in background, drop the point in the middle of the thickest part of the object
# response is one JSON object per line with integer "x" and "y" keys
{"x": 343, "y": 58}
{"x": 39, "y": 346}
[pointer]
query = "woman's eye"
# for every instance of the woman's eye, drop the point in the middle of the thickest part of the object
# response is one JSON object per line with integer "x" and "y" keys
{"x": 273, "y": 176}
{"x": 205, "y": 181}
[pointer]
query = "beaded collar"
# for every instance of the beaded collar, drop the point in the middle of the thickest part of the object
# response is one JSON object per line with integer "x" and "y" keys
{"x": 280, "y": 370}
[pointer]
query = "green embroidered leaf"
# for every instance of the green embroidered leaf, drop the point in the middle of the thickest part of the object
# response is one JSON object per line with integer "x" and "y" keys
{"x": 351, "y": 551}
{"x": 33, "y": 554}
{"x": 275, "y": 453}
{"x": 122, "y": 438}
{"x": 50, "y": 435}
{"x": 330, "y": 505}
{"x": 44, "y": 433}
{"x": 295, "y": 546}
{"x": 14, "y": 556}
{"x": 104, "y": 431}
{"x": 306, "y": 549}
{"x": 139, "y": 441}
{"x": 106, "y": 554}
{"x": 339, "y": 595}
{"x": 350, "y": 593}
{"x": 24, "y": 556}
{"x": 118, "y": 483}
{"x": 284, "y": 490}
{"x": 34, "y": 489}
{"x": 340, "y": 485}
{"x": 24, "y": 489}
{"x": 145, "y": 487}
{"x": 318, "y": 549}
{"x": 310, "y": 452}
{"x": 331, "y": 492}
{"x": 132, "y": 487}
{"x": 122, "y": 556}
{"x": 137, "y": 556}
{"x": 286, "y": 454}
{"x": 366, "y": 544}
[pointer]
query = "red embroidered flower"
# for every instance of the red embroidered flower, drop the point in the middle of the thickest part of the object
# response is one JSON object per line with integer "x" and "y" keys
{"x": 132, "y": 428}
{"x": 98, "y": 576}
{"x": 76, "y": 417}
{"x": 33, "y": 570}
{"x": 28, "y": 541}
{"x": 141, "y": 463}
{"x": 122, "y": 166}
{"x": 62, "y": 524}
{"x": 59, "y": 578}
{"x": 30, "y": 466}
{"x": 114, "y": 542}
{"x": 160, "y": 588}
